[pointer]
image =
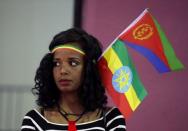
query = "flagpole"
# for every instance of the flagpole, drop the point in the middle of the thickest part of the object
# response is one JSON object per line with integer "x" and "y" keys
{"x": 126, "y": 29}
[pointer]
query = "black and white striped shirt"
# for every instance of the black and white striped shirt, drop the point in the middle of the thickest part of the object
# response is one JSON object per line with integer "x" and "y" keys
{"x": 113, "y": 120}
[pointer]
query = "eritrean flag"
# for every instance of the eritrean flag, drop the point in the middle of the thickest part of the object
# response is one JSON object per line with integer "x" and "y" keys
{"x": 146, "y": 36}
{"x": 120, "y": 78}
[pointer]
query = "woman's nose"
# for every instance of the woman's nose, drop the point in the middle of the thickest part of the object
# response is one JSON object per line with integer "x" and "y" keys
{"x": 64, "y": 69}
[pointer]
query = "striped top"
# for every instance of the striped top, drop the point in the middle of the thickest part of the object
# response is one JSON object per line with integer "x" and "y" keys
{"x": 113, "y": 120}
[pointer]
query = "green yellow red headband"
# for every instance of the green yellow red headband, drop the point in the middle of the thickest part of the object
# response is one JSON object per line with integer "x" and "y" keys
{"x": 68, "y": 46}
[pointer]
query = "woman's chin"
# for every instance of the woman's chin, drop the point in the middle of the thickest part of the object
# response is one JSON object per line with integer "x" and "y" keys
{"x": 67, "y": 89}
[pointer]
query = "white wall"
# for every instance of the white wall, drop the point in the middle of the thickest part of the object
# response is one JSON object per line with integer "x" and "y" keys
{"x": 14, "y": 105}
{"x": 26, "y": 29}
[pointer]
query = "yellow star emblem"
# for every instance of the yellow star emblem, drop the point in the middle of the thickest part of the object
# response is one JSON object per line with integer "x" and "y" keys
{"x": 122, "y": 78}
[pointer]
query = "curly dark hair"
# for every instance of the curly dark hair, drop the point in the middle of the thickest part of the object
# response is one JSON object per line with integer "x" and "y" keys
{"x": 91, "y": 93}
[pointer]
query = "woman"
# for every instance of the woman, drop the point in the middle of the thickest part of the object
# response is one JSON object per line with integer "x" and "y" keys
{"x": 70, "y": 93}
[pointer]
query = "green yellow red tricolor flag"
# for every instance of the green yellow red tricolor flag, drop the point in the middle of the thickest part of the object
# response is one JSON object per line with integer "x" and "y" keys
{"x": 120, "y": 78}
{"x": 117, "y": 70}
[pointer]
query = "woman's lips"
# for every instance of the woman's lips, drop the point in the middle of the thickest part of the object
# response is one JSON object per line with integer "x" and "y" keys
{"x": 64, "y": 82}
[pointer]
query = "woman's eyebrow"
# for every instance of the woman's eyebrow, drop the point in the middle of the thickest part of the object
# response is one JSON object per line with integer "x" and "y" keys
{"x": 74, "y": 58}
{"x": 56, "y": 58}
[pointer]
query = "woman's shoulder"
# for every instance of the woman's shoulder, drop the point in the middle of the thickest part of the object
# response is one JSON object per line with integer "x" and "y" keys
{"x": 112, "y": 111}
{"x": 114, "y": 119}
{"x": 35, "y": 119}
{"x": 34, "y": 113}
{"x": 31, "y": 112}
{"x": 34, "y": 116}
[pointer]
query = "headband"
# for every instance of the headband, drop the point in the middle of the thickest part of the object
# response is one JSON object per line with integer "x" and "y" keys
{"x": 68, "y": 46}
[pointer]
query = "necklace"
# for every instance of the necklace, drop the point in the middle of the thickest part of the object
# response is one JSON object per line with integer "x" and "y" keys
{"x": 71, "y": 123}
{"x": 68, "y": 114}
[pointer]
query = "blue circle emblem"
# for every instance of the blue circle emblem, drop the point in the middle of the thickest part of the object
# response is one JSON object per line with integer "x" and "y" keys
{"x": 122, "y": 79}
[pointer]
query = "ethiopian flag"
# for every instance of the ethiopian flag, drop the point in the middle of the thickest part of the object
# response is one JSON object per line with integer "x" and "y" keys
{"x": 120, "y": 78}
{"x": 146, "y": 36}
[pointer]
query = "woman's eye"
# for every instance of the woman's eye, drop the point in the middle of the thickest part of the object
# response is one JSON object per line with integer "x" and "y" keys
{"x": 74, "y": 63}
{"x": 56, "y": 64}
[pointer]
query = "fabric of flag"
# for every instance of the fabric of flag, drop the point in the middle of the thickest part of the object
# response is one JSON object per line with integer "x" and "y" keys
{"x": 146, "y": 36}
{"x": 120, "y": 78}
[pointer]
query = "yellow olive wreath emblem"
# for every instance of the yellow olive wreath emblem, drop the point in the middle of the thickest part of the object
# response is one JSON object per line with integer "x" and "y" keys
{"x": 143, "y": 32}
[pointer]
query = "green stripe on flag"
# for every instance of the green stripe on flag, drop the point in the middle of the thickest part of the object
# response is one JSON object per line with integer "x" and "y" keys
{"x": 173, "y": 61}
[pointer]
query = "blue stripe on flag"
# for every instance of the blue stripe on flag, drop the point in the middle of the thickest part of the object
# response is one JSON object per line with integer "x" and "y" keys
{"x": 154, "y": 59}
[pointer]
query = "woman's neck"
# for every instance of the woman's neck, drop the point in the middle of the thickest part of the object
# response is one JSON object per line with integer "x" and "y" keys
{"x": 70, "y": 103}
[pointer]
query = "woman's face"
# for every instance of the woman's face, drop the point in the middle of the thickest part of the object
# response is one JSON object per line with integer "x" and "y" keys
{"x": 68, "y": 69}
